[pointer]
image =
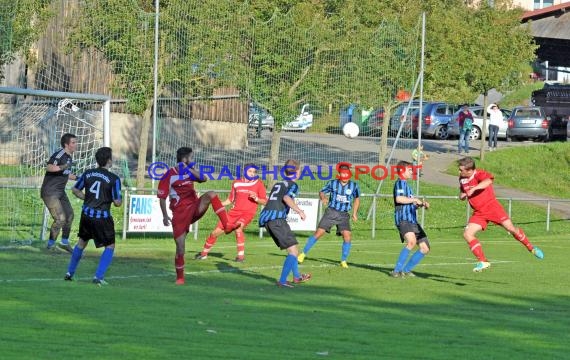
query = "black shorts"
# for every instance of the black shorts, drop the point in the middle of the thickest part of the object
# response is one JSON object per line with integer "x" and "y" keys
{"x": 334, "y": 217}
{"x": 102, "y": 231}
{"x": 407, "y": 227}
{"x": 281, "y": 233}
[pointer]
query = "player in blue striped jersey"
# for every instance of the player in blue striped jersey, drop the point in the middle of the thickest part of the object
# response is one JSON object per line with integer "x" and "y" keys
{"x": 405, "y": 204}
{"x": 98, "y": 188}
{"x": 274, "y": 218}
{"x": 344, "y": 197}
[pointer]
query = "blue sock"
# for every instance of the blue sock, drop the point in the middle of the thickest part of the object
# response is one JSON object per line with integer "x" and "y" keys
{"x": 345, "y": 250}
{"x": 295, "y": 268}
{"x": 287, "y": 266}
{"x": 51, "y": 242}
{"x": 414, "y": 260}
{"x": 402, "y": 259}
{"x": 104, "y": 262}
{"x": 310, "y": 243}
{"x": 75, "y": 257}
{"x": 65, "y": 241}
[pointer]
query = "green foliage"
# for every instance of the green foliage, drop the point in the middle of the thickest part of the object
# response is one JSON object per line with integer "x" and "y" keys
{"x": 477, "y": 49}
{"x": 21, "y": 24}
{"x": 521, "y": 96}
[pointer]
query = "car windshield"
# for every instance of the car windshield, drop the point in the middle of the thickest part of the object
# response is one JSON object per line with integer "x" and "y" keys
{"x": 525, "y": 113}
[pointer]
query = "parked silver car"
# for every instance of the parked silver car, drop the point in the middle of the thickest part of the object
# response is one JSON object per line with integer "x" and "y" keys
{"x": 529, "y": 122}
{"x": 477, "y": 111}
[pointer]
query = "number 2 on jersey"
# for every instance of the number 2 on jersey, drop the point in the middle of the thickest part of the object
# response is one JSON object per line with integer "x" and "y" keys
{"x": 273, "y": 195}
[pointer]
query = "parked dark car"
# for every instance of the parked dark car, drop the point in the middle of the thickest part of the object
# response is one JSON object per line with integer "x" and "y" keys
{"x": 403, "y": 113}
{"x": 530, "y": 122}
{"x": 435, "y": 118}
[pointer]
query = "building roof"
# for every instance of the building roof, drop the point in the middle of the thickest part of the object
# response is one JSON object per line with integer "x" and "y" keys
{"x": 555, "y": 10}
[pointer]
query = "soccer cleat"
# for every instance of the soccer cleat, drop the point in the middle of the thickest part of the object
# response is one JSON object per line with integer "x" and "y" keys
{"x": 538, "y": 253}
{"x": 99, "y": 282}
{"x": 303, "y": 278}
{"x": 408, "y": 274}
{"x": 199, "y": 256}
{"x": 66, "y": 247}
{"x": 344, "y": 265}
{"x": 286, "y": 284}
{"x": 301, "y": 258}
{"x": 481, "y": 265}
{"x": 68, "y": 277}
{"x": 396, "y": 274}
{"x": 180, "y": 281}
{"x": 239, "y": 259}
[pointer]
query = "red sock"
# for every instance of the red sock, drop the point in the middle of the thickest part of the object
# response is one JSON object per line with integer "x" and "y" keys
{"x": 210, "y": 241}
{"x": 521, "y": 236}
{"x": 477, "y": 250}
{"x": 240, "y": 239}
{"x": 179, "y": 266}
{"x": 219, "y": 210}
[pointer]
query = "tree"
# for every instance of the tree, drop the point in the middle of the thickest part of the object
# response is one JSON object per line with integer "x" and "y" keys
{"x": 196, "y": 46}
{"x": 21, "y": 24}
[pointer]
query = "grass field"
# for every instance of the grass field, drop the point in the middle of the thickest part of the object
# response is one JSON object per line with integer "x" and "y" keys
{"x": 517, "y": 309}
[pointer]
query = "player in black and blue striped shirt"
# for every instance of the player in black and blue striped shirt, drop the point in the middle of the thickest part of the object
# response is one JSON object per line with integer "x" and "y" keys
{"x": 274, "y": 218}
{"x": 405, "y": 204}
{"x": 98, "y": 188}
{"x": 344, "y": 196}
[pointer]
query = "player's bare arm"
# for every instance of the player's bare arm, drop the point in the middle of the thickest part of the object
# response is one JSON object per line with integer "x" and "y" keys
{"x": 165, "y": 218}
{"x": 324, "y": 198}
{"x": 255, "y": 197}
{"x": 197, "y": 177}
{"x": 78, "y": 193}
{"x": 462, "y": 196}
{"x": 291, "y": 203}
{"x": 355, "y": 207}
{"x": 482, "y": 185}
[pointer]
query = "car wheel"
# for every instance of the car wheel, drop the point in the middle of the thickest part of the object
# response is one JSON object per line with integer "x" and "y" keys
{"x": 441, "y": 133}
{"x": 475, "y": 133}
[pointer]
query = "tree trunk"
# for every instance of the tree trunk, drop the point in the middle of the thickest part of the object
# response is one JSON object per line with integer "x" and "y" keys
{"x": 143, "y": 147}
{"x": 484, "y": 129}
{"x": 274, "y": 153}
{"x": 384, "y": 136}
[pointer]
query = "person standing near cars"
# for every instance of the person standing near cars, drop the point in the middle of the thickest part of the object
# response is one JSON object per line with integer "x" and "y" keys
{"x": 495, "y": 121}
{"x": 465, "y": 122}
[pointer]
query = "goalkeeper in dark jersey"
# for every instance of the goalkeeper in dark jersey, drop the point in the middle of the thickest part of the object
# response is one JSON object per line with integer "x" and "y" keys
{"x": 53, "y": 194}
{"x": 102, "y": 188}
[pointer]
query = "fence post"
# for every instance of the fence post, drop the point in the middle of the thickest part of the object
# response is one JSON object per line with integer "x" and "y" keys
{"x": 374, "y": 217}
{"x": 510, "y": 207}
{"x": 548, "y": 215}
{"x": 423, "y": 211}
{"x": 125, "y": 214}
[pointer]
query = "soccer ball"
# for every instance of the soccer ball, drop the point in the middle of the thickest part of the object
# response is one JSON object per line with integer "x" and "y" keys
{"x": 350, "y": 130}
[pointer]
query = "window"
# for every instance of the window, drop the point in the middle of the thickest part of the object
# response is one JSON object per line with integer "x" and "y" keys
{"x": 539, "y": 4}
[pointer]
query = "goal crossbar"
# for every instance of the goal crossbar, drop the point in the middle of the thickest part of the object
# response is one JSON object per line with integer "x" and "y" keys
{"x": 70, "y": 95}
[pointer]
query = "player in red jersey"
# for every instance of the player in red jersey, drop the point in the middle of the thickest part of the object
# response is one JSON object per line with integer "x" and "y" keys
{"x": 245, "y": 195}
{"x": 476, "y": 185}
{"x": 186, "y": 206}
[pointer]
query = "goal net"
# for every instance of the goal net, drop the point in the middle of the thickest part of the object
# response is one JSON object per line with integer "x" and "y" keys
{"x": 31, "y": 127}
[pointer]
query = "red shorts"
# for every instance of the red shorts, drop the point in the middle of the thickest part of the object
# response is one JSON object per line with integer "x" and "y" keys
{"x": 238, "y": 217}
{"x": 183, "y": 217}
{"x": 494, "y": 212}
